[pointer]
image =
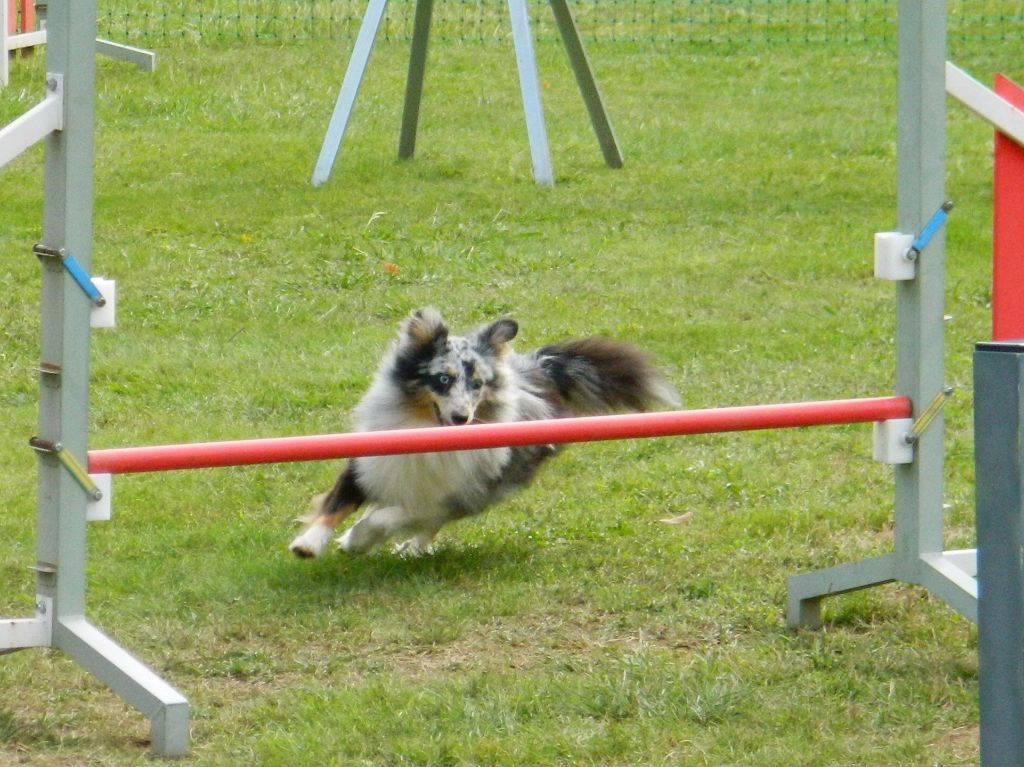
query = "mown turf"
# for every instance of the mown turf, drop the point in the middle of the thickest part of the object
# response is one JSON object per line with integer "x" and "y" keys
{"x": 572, "y": 625}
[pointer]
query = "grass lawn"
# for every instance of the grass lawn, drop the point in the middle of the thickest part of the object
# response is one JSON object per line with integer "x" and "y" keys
{"x": 572, "y": 625}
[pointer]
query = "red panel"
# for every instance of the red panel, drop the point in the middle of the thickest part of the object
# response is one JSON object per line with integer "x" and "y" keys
{"x": 1008, "y": 227}
{"x": 28, "y": 15}
{"x": 27, "y": 9}
{"x": 429, "y": 440}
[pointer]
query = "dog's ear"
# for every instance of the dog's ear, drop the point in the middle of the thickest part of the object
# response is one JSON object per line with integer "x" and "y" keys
{"x": 493, "y": 337}
{"x": 424, "y": 327}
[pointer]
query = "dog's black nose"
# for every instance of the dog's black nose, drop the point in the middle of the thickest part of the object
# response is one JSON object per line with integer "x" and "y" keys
{"x": 459, "y": 419}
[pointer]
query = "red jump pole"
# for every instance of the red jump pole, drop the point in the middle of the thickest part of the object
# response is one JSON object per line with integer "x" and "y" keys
{"x": 1008, "y": 226}
{"x": 444, "y": 438}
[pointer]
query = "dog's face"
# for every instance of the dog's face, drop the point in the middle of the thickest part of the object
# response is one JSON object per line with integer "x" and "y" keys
{"x": 453, "y": 380}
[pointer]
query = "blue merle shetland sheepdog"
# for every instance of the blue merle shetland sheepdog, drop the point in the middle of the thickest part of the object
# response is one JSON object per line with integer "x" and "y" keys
{"x": 433, "y": 378}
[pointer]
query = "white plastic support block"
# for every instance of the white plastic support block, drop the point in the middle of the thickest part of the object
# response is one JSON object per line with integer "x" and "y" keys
{"x": 100, "y": 511}
{"x": 965, "y": 559}
{"x": 893, "y": 257}
{"x": 891, "y": 444}
{"x": 104, "y": 316}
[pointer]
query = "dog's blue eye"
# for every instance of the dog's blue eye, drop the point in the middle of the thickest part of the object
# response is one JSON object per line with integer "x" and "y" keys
{"x": 440, "y": 382}
{"x": 476, "y": 383}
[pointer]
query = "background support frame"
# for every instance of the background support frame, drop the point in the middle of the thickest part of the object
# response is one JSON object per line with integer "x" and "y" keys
{"x": 526, "y": 62}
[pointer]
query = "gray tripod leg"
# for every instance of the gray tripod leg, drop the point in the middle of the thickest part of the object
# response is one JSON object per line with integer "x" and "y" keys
{"x": 587, "y": 83}
{"x": 349, "y": 90}
{"x": 414, "y": 83}
{"x": 540, "y": 154}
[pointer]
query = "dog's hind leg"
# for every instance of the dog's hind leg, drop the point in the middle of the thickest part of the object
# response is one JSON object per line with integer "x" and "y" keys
{"x": 344, "y": 498}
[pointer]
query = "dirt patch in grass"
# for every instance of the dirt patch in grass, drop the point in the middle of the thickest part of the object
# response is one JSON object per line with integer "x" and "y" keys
{"x": 961, "y": 744}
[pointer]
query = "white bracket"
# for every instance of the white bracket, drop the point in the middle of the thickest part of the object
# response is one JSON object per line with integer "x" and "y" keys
{"x": 36, "y": 124}
{"x": 891, "y": 443}
{"x": 964, "y": 559}
{"x": 104, "y": 316}
{"x": 100, "y": 510}
{"x": 20, "y": 633}
{"x": 895, "y": 259}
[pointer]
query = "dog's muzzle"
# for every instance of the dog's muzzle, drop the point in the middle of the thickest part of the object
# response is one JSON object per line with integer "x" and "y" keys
{"x": 457, "y": 419}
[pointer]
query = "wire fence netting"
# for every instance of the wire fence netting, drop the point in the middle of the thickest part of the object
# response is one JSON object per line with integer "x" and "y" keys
{"x": 693, "y": 21}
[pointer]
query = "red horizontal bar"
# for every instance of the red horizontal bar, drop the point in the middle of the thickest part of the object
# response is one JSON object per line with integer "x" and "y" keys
{"x": 442, "y": 438}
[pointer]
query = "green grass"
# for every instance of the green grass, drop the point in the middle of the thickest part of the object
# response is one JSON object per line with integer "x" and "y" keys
{"x": 571, "y": 625}
{"x": 724, "y": 22}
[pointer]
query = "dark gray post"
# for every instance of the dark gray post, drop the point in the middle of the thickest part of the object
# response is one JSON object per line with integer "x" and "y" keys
{"x": 999, "y": 476}
{"x": 414, "y": 81}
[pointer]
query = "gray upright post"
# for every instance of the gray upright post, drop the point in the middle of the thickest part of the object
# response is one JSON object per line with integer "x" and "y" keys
{"x": 920, "y": 346}
{"x": 64, "y": 343}
{"x": 64, "y": 386}
{"x": 999, "y": 478}
{"x": 921, "y": 148}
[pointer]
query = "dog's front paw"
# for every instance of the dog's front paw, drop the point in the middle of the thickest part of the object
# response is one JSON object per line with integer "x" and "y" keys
{"x": 312, "y": 542}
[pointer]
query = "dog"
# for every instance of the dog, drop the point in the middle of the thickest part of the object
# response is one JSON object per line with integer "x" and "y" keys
{"x": 430, "y": 377}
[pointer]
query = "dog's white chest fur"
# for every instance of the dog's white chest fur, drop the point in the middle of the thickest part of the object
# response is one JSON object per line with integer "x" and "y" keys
{"x": 430, "y": 481}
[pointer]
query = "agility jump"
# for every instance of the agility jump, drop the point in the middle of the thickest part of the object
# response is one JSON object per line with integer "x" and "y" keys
{"x": 418, "y": 513}
{"x": 60, "y": 621}
{"x": 203, "y": 455}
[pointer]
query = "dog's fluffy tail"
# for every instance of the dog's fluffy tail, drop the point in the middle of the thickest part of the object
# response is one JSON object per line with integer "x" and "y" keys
{"x": 598, "y": 375}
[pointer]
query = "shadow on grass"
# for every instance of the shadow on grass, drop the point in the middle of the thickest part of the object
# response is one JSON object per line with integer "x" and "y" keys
{"x": 451, "y": 565}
